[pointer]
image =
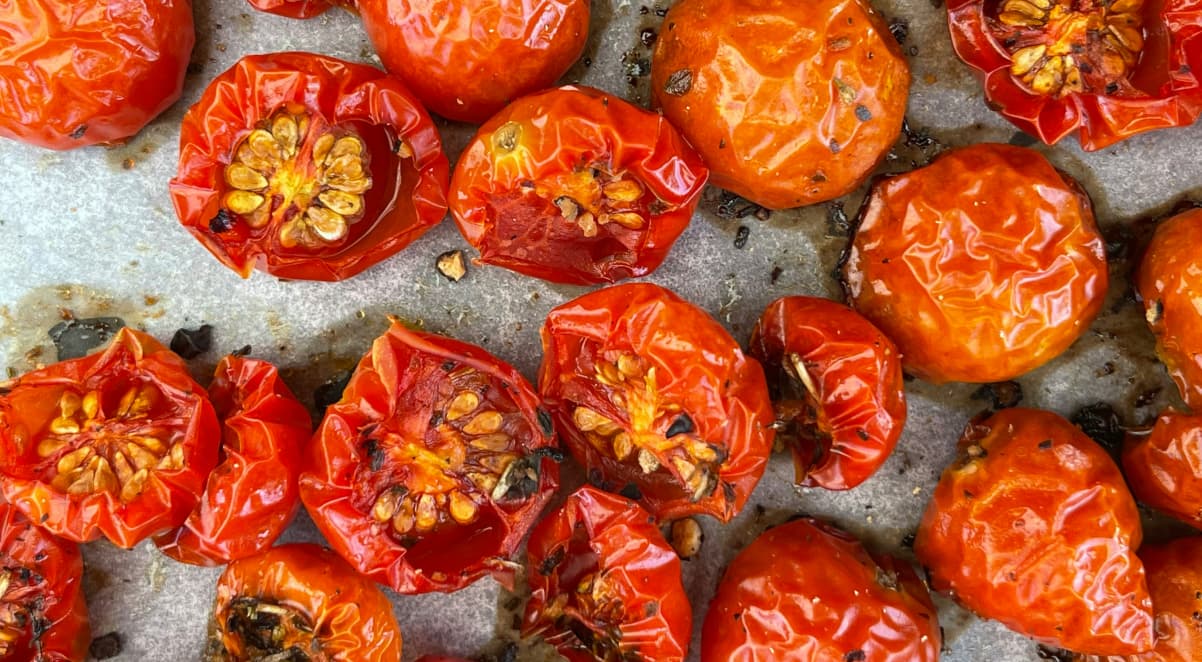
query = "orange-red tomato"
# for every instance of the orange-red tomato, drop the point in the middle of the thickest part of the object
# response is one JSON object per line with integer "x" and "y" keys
{"x": 1164, "y": 466}
{"x": 1169, "y": 284}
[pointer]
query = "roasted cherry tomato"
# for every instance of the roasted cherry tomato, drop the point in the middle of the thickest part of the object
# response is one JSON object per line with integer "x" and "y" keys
{"x": 117, "y": 443}
{"x": 1164, "y": 466}
{"x": 89, "y": 71}
{"x": 1034, "y": 527}
{"x": 837, "y": 386}
{"x": 782, "y": 120}
{"x": 982, "y": 266}
{"x": 251, "y": 496}
{"x": 1172, "y": 293}
{"x": 298, "y": 8}
{"x": 654, "y": 397}
{"x": 574, "y": 185}
{"x": 308, "y": 167}
{"x": 43, "y": 615}
{"x": 604, "y": 584}
{"x": 808, "y": 592}
{"x": 302, "y": 602}
{"x": 466, "y": 60}
{"x": 1109, "y": 69}
{"x": 433, "y": 466}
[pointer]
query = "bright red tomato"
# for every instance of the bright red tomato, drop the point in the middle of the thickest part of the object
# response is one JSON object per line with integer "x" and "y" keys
{"x": 1164, "y": 466}
{"x": 1169, "y": 285}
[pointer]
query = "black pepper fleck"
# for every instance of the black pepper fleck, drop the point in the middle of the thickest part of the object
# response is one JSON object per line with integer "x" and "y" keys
{"x": 862, "y": 113}
{"x": 741, "y": 236}
{"x": 679, "y": 83}
{"x": 222, "y": 222}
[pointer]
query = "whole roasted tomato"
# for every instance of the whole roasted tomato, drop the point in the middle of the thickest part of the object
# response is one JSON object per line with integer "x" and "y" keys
{"x": 1172, "y": 293}
{"x": 781, "y": 120}
{"x": 251, "y": 497}
{"x": 604, "y": 584}
{"x": 89, "y": 71}
{"x": 117, "y": 444}
{"x": 807, "y": 592}
{"x": 574, "y": 185}
{"x": 1034, "y": 527}
{"x": 1164, "y": 466}
{"x": 298, "y": 8}
{"x": 433, "y": 466}
{"x": 982, "y": 266}
{"x": 43, "y": 615}
{"x": 302, "y": 602}
{"x": 466, "y": 60}
{"x": 307, "y": 167}
{"x": 656, "y": 399}
{"x": 837, "y": 386}
{"x": 1109, "y": 69}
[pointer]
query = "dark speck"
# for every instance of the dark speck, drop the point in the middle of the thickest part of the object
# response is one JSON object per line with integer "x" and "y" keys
{"x": 661, "y": 12}
{"x": 855, "y": 656}
{"x": 331, "y": 390}
{"x": 75, "y": 338}
{"x": 1111, "y": 88}
{"x": 912, "y": 51}
{"x": 552, "y": 561}
{"x": 632, "y": 492}
{"x": 544, "y": 422}
{"x": 1045, "y": 444}
{"x": 775, "y": 275}
{"x": 222, "y": 222}
{"x": 79, "y": 131}
{"x": 1148, "y": 397}
{"x": 1101, "y": 423}
{"x": 862, "y": 113}
{"x": 588, "y": 61}
{"x": 900, "y": 29}
{"x": 647, "y": 37}
{"x": 106, "y": 646}
{"x": 1001, "y": 395}
{"x": 191, "y": 343}
{"x": 834, "y": 146}
{"x": 679, "y": 83}
{"x": 1056, "y": 654}
{"x": 682, "y": 425}
{"x": 741, "y": 236}
{"x": 837, "y": 223}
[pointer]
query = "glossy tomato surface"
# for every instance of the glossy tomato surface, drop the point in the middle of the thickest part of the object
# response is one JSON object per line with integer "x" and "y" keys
{"x": 90, "y": 71}
{"x": 466, "y": 60}
{"x": 837, "y": 388}
{"x": 604, "y": 584}
{"x": 118, "y": 443}
{"x": 574, "y": 185}
{"x": 307, "y": 167}
{"x": 251, "y": 497}
{"x": 981, "y": 266}
{"x": 433, "y": 466}
{"x": 653, "y": 396}
{"x": 1171, "y": 290}
{"x": 1164, "y": 466}
{"x": 1034, "y": 527}
{"x": 782, "y": 120}
{"x": 303, "y": 599}
{"x": 806, "y": 591}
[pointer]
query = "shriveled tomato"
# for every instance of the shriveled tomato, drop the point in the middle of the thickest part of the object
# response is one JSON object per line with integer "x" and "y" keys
{"x": 604, "y": 584}
{"x": 298, "y": 8}
{"x": 806, "y": 591}
{"x": 782, "y": 120}
{"x": 982, "y": 266}
{"x": 466, "y": 60}
{"x": 1164, "y": 466}
{"x": 433, "y": 466}
{"x": 43, "y": 615}
{"x": 1171, "y": 290}
{"x": 90, "y": 71}
{"x": 654, "y": 397}
{"x": 308, "y": 167}
{"x": 251, "y": 497}
{"x": 575, "y": 185}
{"x": 837, "y": 387}
{"x": 302, "y": 602}
{"x": 117, "y": 443}
{"x": 1107, "y": 69}
{"x": 1034, "y": 527}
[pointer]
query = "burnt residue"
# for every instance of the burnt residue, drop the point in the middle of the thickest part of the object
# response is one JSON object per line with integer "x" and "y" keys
{"x": 837, "y": 222}
{"x": 222, "y": 221}
{"x": 330, "y": 391}
{"x": 682, "y": 425}
{"x": 900, "y": 29}
{"x": 78, "y": 337}
{"x": 545, "y": 422}
{"x": 106, "y": 646}
{"x": 1100, "y": 422}
{"x": 735, "y": 207}
{"x": 741, "y": 236}
{"x": 1023, "y": 139}
{"x": 679, "y": 83}
{"x": 1000, "y": 395}
{"x": 1056, "y": 654}
{"x": 191, "y": 343}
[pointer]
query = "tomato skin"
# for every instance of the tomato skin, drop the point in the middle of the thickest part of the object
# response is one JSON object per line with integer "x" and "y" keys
{"x": 57, "y": 94}
{"x": 973, "y": 291}
{"x": 561, "y": 131}
{"x": 806, "y": 591}
{"x": 782, "y": 127}
{"x": 1034, "y": 527}
{"x": 1170, "y": 292}
{"x": 861, "y": 400}
{"x": 466, "y": 60}
{"x": 1164, "y": 466}
{"x": 28, "y": 405}
{"x": 244, "y": 97}
{"x": 611, "y": 537}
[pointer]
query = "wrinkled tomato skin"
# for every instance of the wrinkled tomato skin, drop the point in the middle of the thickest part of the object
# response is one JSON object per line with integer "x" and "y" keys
{"x": 1033, "y": 526}
{"x": 562, "y": 131}
{"x": 104, "y": 71}
{"x": 1172, "y": 292}
{"x": 251, "y": 497}
{"x": 860, "y": 400}
{"x": 618, "y": 542}
{"x": 981, "y": 266}
{"x": 391, "y": 388}
{"x": 1164, "y": 466}
{"x": 28, "y": 404}
{"x": 352, "y": 619}
{"x": 57, "y": 569}
{"x": 700, "y": 369}
{"x": 782, "y": 127}
{"x": 466, "y": 60}
{"x": 243, "y": 98}
{"x": 806, "y": 591}
{"x": 298, "y": 8}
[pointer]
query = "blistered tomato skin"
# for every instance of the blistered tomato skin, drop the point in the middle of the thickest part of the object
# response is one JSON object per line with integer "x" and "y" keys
{"x": 782, "y": 120}
{"x": 1164, "y": 466}
{"x": 806, "y": 591}
{"x": 1172, "y": 294}
{"x": 981, "y": 266}
{"x": 574, "y": 185}
{"x": 466, "y": 60}
{"x": 837, "y": 387}
{"x": 1033, "y": 526}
